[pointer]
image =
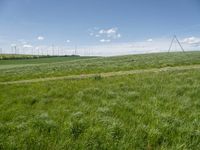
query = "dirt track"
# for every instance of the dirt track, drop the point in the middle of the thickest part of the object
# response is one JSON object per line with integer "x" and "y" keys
{"x": 108, "y": 74}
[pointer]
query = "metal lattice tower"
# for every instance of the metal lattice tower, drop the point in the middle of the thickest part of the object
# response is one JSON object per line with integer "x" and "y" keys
{"x": 173, "y": 40}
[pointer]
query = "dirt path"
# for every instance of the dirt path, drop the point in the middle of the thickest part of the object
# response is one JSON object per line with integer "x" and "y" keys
{"x": 108, "y": 74}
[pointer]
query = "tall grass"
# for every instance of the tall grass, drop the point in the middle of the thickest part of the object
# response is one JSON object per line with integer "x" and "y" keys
{"x": 149, "y": 111}
{"x": 142, "y": 111}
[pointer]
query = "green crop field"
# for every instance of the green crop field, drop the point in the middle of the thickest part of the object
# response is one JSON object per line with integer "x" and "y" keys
{"x": 19, "y": 56}
{"x": 149, "y": 101}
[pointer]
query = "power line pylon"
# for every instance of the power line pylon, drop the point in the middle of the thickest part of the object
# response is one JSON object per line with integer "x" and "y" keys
{"x": 175, "y": 39}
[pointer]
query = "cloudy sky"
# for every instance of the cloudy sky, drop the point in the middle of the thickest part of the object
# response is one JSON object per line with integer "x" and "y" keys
{"x": 98, "y": 27}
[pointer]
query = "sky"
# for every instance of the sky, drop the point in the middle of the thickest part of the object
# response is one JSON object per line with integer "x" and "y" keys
{"x": 98, "y": 27}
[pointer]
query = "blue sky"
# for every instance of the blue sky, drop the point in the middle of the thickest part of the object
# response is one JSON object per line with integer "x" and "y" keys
{"x": 65, "y": 23}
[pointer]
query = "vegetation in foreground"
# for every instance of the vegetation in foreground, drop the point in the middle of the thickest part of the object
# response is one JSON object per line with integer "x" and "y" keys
{"x": 142, "y": 111}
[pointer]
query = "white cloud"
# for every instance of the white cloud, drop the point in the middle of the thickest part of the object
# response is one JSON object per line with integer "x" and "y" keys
{"x": 137, "y": 47}
{"x": 119, "y": 35}
{"x": 192, "y": 40}
{"x": 108, "y": 31}
{"x": 106, "y": 48}
{"x": 104, "y": 41}
{"x": 112, "y": 30}
{"x": 27, "y": 46}
{"x": 68, "y": 41}
{"x": 97, "y": 35}
{"x": 105, "y": 35}
{"x": 150, "y": 40}
{"x": 40, "y": 38}
{"x": 111, "y": 33}
{"x": 102, "y": 31}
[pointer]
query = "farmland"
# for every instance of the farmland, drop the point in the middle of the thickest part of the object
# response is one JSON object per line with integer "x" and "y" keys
{"x": 148, "y": 101}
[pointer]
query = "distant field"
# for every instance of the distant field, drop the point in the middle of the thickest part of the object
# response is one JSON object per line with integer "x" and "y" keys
{"x": 12, "y": 70}
{"x": 19, "y": 56}
{"x": 26, "y": 59}
{"x": 145, "y": 110}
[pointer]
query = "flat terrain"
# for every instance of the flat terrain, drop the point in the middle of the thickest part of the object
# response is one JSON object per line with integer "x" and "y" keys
{"x": 147, "y": 101}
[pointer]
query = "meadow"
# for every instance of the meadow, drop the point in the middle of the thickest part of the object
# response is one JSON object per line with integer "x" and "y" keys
{"x": 149, "y": 110}
{"x": 19, "y": 56}
{"x": 13, "y": 70}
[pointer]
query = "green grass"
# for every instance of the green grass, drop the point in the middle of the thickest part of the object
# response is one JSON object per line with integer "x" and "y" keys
{"x": 142, "y": 111}
{"x": 26, "y": 59}
{"x": 96, "y": 65}
{"x": 20, "y": 56}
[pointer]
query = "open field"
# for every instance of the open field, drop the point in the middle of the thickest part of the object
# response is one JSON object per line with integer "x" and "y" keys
{"x": 128, "y": 102}
{"x": 13, "y": 70}
{"x": 19, "y": 56}
{"x": 28, "y": 59}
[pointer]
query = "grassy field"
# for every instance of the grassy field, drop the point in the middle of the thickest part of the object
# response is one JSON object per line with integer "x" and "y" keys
{"x": 19, "y": 56}
{"x": 26, "y": 59}
{"x": 30, "y": 69}
{"x": 144, "y": 110}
